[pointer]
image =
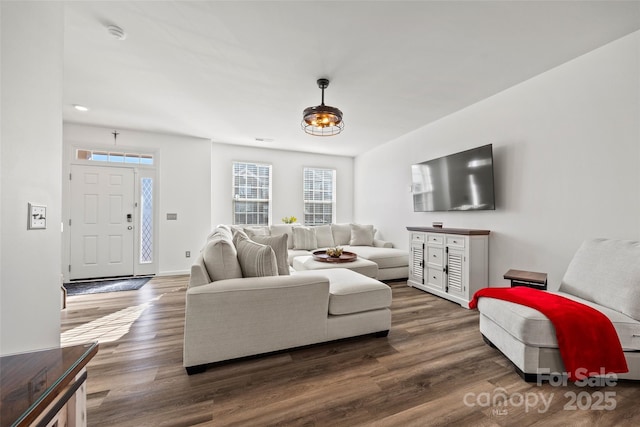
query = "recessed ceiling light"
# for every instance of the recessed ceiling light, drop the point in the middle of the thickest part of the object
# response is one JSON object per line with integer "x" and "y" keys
{"x": 80, "y": 107}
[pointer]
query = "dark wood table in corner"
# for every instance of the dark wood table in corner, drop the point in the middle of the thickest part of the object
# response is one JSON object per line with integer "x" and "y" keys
{"x": 530, "y": 279}
{"x": 45, "y": 387}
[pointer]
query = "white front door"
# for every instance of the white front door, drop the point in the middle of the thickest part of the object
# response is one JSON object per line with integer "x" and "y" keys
{"x": 101, "y": 222}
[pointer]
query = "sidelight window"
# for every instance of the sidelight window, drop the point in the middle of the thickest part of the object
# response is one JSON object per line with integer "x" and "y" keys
{"x": 146, "y": 220}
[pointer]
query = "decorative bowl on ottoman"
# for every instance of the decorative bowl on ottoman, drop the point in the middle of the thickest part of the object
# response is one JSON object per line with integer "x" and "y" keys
{"x": 326, "y": 256}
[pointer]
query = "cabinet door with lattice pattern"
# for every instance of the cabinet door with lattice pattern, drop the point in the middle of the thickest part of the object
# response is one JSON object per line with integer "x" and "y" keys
{"x": 455, "y": 272}
{"x": 416, "y": 267}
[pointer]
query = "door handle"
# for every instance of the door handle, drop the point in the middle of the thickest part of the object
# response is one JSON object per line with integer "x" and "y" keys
{"x": 129, "y": 218}
{"x": 130, "y": 227}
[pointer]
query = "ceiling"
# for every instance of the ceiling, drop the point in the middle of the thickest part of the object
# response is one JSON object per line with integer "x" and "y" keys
{"x": 234, "y": 71}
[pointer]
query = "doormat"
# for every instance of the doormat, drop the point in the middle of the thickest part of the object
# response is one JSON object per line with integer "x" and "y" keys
{"x": 102, "y": 286}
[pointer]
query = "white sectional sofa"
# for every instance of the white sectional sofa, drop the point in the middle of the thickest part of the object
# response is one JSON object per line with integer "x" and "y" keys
{"x": 393, "y": 263}
{"x": 242, "y": 300}
{"x": 604, "y": 274}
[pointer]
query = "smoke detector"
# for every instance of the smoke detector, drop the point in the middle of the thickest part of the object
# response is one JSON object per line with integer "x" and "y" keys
{"x": 117, "y": 32}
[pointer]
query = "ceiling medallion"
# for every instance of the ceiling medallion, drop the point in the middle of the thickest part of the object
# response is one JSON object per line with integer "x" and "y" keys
{"x": 322, "y": 120}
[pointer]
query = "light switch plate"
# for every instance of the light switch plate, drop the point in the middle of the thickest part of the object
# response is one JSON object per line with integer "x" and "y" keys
{"x": 37, "y": 217}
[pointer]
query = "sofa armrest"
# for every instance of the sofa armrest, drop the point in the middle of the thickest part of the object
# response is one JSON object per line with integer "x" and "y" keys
{"x": 382, "y": 244}
{"x": 239, "y": 317}
{"x": 199, "y": 275}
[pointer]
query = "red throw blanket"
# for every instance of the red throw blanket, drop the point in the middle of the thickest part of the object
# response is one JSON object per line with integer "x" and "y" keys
{"x": 587, "y": 340}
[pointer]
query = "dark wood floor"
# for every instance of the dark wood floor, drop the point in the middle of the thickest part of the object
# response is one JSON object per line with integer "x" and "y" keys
{"x": 432, "y": 369}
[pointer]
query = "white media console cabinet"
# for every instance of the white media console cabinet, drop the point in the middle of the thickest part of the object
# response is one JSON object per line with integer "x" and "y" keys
{"x": 452, "y": 263}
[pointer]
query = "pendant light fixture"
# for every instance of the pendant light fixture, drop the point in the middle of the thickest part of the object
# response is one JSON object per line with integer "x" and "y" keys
{"x": 322, "y": 120}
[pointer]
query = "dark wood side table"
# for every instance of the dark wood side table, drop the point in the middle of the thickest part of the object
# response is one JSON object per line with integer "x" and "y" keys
{"x": 45, "y": 387}
{"x": 530, "y": 279}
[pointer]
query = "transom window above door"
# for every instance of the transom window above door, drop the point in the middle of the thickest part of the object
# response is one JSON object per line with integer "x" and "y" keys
{"x": 114, "y": 156}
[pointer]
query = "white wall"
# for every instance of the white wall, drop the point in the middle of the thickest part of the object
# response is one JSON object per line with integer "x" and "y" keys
{"x": 31, "y": 159}
{"x": 566, "y": 153}
{"x": 195, "y": 183}
{"x": 287, "y": 167}
{"x": 184, "y": 179}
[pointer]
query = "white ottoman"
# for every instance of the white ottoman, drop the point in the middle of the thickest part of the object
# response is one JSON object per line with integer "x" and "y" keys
{"x": 360, "y": 265}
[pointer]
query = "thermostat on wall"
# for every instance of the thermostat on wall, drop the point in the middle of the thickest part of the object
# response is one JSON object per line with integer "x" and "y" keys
{"x": 37, "y": 217}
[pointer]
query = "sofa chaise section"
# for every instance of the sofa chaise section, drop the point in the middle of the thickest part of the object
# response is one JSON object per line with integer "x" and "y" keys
{"x": 234, "y": 317}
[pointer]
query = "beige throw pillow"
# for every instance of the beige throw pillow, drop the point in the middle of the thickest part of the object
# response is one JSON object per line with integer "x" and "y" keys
{"x": 324, "y": 237}
{"x": 277, "y": 229}
{"x": 279, "y": 245}
{"x": 256, "y": 230}
{"x": 341, "y": 234}
{"x": 256, "y": 260}
{"x": 220, "y": 258}
{"x": 304, "y": 238}
{"x": 361, "y": 235}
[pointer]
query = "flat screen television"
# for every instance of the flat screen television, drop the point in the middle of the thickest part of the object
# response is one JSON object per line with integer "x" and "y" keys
{"x": 458, "y": 182}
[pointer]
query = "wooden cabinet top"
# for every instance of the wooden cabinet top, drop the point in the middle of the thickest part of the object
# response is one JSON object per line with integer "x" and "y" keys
{"x": 461, "y": 231}
{"x": 30, "y": 381}
{"x": 526, "y": 276}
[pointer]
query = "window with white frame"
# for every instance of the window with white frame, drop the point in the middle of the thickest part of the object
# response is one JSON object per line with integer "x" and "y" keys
{"x": 319, "y": 196}
{"x": 146, "y": 220}
{"x": 251, "y": 193}
{"x": 114, "y": 156}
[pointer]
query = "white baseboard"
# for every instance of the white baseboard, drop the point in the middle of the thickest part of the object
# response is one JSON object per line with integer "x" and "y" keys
{"x": 175, "y": 273}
